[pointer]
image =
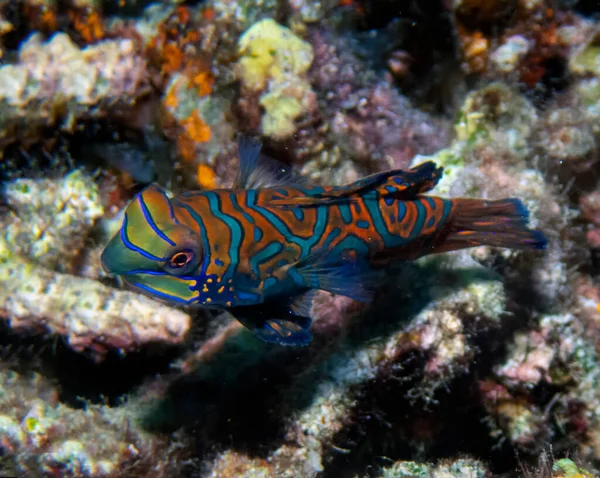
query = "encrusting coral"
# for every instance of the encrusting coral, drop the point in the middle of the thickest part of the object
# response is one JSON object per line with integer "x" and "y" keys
{"x": 274, "y": 62}
{"x": 50, "y": 220}
{"x": 411, "y": 469}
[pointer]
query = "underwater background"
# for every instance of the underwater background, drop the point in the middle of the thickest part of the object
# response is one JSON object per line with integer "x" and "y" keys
{"x": 477, "y": 363}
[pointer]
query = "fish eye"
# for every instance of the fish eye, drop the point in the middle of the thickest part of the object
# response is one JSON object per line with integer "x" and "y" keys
{"x": 180, "y": 260}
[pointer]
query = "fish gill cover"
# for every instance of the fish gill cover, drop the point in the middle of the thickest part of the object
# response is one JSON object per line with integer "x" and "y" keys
{"x": 478, "y": 362}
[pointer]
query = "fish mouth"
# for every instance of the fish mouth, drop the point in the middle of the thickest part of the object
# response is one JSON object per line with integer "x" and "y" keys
{"x": 116, "y": 259}
{"x": 160, "y": 285}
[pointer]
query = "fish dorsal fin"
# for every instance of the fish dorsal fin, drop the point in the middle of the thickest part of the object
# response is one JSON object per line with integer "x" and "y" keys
{"x": 259, "y": 171}
{"x": 395, "y": 183}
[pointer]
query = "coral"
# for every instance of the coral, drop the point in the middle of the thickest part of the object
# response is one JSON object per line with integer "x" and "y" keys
{"x": 560, "y": 353}
{"x": 49, "y": 220}
{"x": 565, "y": 468}
{"x": 525, "y": 45}
{"x": 462, "y": 362}
{"x": 90, "y": 315}
{"x": 196, "y": 121}
{"x": 183, "y": 46}
{"x": 269, "y": 52}
{"x": 496, "y": 118}
{"x": 86, "y": 19}
{"x": 568, "y": 141}
{"x": 5, "y": 27}
{"x": 590, "y": 210}
{"x": 43, "y": 437}
{"x": 42, "y": 15}
{"x": 175, "y": 46}
{"x": 363, "y": 122}
{"x": 440, "y": 330}
{"x": 231, "y": 465}
{"x": 49, "y": 223}
{"x": 496, "y": 135}
{"x": 57, "y": 84}
{"x": 529, "y": 360}
{"x": 585, "y": 61}
{"x": 274, "y": 61}
{"x": 409, "y": 469}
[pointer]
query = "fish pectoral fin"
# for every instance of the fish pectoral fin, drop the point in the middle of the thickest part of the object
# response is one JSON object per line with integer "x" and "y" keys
{"x": 259, "y": 171}
{"x": 344, "y": 277}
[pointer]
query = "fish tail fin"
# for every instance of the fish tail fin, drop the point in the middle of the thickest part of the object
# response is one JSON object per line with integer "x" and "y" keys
{"x": 501, "y": 223}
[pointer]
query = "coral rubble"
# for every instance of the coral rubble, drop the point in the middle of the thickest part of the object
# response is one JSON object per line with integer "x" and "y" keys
{"x": 47, "y": 438}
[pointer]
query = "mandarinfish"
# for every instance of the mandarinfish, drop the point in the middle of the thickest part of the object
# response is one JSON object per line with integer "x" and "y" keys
{"x": 261, "y": 248}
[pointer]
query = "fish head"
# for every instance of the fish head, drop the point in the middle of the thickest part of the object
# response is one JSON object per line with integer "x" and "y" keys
{"x": 153, "y": 251}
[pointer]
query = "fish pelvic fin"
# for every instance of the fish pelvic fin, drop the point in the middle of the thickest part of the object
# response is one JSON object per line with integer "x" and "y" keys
{"x": 356, "y": 280}
{"x": 274, "y": 324}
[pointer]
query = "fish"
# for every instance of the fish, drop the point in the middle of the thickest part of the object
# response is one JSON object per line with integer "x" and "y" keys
{"x": 262, "y": 248}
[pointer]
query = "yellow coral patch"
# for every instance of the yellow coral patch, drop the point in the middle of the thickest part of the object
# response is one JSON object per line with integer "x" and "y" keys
{"x": 31, "y": 423}
{"x": 273, "y": 58}
{"x": 268, "y": 51}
